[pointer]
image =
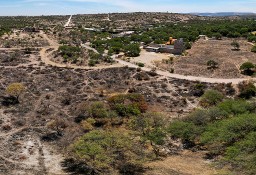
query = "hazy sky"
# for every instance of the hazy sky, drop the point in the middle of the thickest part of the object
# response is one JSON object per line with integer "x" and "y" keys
{"x": 49, "y": 7}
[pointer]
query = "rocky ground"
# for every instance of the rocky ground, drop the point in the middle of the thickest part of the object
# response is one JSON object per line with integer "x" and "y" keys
{"x": 22, "y": 39}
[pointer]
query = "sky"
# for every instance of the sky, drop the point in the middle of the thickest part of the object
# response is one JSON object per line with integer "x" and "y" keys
{"x": 69, "y": 7}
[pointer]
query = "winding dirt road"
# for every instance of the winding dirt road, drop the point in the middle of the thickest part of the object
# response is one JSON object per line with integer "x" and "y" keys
{"x": 53, "y": 46}
{"x": 184, "y": 77}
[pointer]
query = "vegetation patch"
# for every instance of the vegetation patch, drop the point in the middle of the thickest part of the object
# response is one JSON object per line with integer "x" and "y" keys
{"x": 226, "y": 130}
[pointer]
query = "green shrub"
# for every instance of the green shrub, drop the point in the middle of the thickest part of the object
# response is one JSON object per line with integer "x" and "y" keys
{"x": 128, "y": 104}
{"x": 140, "y": 64}
{"x": 247, "y": 67}
{"x": 211, "y": 64}
{"x": 132, "y": 50}
{"x": 92, "y": 63}
{"x": 243, "y": 154}
{"x": 198, "y": 117}
{"x": 235, "y": 44}
{"x": 198, "y": 90}
{"x": 156, "y": 136}
{"x": 215, "y": 113}
{"x": 247, "y": 90}
{"x": 127, "y": 110}
{"x": 184, "y": 130}
{"x": 100, "y": 148}
{"x": 69, "y": 52}
{"x": 235, "y": 107}
{"x": 103, "y": 150}
{"x": 99, "y": 110}
{"x": 210, "y": 98}
{"x": 229, "y": 131}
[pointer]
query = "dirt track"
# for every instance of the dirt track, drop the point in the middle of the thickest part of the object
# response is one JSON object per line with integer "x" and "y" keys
{"x": 190, "y": 78}
{"x": 54, "y": 45}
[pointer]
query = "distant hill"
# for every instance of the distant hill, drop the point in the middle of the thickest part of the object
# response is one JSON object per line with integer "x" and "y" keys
{"x": 225, "y": 14}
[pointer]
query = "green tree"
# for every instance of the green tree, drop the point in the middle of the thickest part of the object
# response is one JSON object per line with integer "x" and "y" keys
{"x": 132, "y": 50}
{"x": 210, "y": 98}
{"x": 212, "y": 64}
{"x": 98, "y": 110}
{"x": 236, "y": 45}
{"x": 188, "y": 131}
{"x": 101, "y": 149}
{"x": 152, "y": 127}
{"x": 247, "y": 90}
{"x": 247, "y": 67}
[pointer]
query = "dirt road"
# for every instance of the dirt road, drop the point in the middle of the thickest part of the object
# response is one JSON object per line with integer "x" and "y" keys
{"x": 53, "y": 45}
{"x": 69, "y": 20}
{"x": 190, "y": 78}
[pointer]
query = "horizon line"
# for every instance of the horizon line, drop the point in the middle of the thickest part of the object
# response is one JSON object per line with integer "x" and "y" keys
{"x": 183, "y": 13}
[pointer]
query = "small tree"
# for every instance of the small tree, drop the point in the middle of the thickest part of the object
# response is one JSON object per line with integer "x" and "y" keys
{"x": 212, "y": 64}
{"x": 211, "y": 97}
{"x": 156, "y": 136}
{"x": 57, "y": 125}
{"x": 246, "y": 90}
{"x": 236, "y": 45}
{"x": 101, "y": 149}
{"x": 152, "y": 128}
{"x": 15, "y": 90}
{"x": 247, "y": 67}
{"x": 132, "y": 50}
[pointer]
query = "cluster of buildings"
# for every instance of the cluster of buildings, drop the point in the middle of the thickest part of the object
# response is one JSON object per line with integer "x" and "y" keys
{"x": 173, "y": 46}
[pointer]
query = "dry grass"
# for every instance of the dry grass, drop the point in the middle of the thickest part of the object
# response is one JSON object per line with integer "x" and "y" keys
{"x": 187, "y": 163}
{"x": 195, "y": 63}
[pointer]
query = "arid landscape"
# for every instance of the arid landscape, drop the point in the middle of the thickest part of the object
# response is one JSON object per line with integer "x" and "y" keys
{"x": 229, "y": 60}
{"x": 81, "y": 94}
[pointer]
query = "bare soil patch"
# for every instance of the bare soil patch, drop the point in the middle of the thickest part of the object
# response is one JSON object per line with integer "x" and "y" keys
{"x": 185, "y": 163}
{"x": 149, "y": 58}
